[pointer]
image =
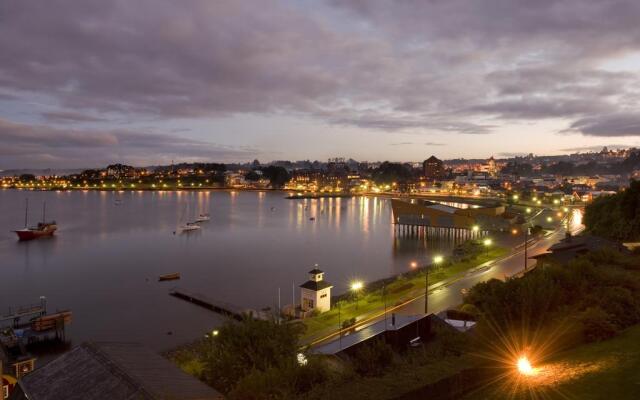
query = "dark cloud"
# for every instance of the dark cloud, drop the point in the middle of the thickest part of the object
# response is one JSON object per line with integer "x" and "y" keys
{"x": 38, "y": 146}
{"x": 581, "y": 149}
{"x": 70, "y": 117}
{"x": 620, "y": 124}
{"x": 455, "y": 66}
{"x": 414, "y": 144}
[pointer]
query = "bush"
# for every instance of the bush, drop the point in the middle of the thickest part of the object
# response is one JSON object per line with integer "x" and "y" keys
{"x": 242, "y": 347}
{"x": 348, "y": 322}
{"x": 372, "y": 359}
{"x": 287, "y": 381}
{"x": 596, "y": 325}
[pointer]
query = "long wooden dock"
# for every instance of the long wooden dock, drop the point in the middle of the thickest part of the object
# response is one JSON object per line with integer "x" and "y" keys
{"x": 203, "y": 301}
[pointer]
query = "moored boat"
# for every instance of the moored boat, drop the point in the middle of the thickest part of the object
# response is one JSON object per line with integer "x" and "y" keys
{"x": 189, "y": 227}
{"x": 43, "y": 229}
{"x": 169, "y": 277}
{"x": 203, "y": 217}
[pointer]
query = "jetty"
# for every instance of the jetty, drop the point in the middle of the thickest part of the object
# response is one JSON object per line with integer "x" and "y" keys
{"x": 219, "y": 307}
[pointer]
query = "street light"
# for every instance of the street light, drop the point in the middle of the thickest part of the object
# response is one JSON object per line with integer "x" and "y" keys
{"x": 355, "y": 288}
{"x": 438, "y": 259}
{"x": 528, "y": 210}
{"x": 524, "y": 366}
{"x": 487, "y": 242}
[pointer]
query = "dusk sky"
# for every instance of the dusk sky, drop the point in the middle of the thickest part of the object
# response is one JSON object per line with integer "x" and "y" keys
{"x": 91, "y": 82}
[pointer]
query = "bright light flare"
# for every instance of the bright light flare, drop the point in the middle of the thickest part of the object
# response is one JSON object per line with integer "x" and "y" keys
{"x": 524, "y": 366}
{"x": 357, "y": 285}
{"x": 438, "y": 259}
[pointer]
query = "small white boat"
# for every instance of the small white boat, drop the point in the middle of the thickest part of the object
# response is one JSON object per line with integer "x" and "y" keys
{"x": 203, "y": 217}
{"x": 189, "y": 227}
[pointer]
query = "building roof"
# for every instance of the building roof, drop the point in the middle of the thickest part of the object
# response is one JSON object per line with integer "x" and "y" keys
{"x": 377, "y": 328}
{"x": 584, "y": 242}
{"x": 106, "y": 371}
{"x": 316, "y": 271}
{"x": 432, "y": 159}
{"x": 313, "y": 285}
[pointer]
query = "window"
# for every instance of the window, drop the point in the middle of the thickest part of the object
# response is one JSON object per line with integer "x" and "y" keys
{"x": 322, "y": 296}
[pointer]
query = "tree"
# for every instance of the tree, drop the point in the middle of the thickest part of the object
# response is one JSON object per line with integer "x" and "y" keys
{"x": 278, "y": 176}
{"x": 388, "y": 173}
{"x": 373, "y": 358}
{"x": 27, "y": 178}
{"x": 249, "y": 345}
{"x": 616, "y": 217}
{"x": 252, "y": 176}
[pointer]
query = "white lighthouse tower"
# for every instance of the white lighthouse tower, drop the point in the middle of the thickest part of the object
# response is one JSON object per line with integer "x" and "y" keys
{"x": 315, "y": 294}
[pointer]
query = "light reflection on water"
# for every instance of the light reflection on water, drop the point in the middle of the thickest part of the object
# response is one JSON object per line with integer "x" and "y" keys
{"x": 105, "y": 261}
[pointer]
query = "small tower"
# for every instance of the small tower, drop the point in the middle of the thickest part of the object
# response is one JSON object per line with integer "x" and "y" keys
{"x": 315, "y": 294}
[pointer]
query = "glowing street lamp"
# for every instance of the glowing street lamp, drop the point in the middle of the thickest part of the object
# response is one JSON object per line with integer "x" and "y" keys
{"x": 528, "y": 210}
{"x": 438, "y": 259}
{"x": 515, "y": 197}
{"x": 355, "y": 288}
{"x": 549, "y": 219}
{"x": 524, "y": 366}
{"x": 487, "y": 243}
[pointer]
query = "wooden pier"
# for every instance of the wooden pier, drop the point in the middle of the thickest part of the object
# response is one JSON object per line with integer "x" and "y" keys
{"x": 219, "y": 307}
{"x": 30, "y": 310}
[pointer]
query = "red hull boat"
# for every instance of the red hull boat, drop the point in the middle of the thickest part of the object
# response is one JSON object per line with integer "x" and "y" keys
{"x": 43, "y": 229}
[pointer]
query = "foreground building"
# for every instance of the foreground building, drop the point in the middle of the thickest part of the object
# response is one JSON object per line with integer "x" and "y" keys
{"x": 109, "y": 371}
{"x": 315, "y": 294}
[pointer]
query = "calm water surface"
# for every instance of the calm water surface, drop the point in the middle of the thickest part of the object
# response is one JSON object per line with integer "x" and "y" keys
{"x": 106, "y": 257}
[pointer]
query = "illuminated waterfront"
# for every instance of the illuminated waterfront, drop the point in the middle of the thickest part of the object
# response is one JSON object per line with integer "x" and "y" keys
{"x": 110, "y": 248}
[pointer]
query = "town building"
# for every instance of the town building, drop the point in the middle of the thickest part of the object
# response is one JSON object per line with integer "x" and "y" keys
{"x": 315, "y": 294}
{"x": 433, "y": 168}
{"x": 573, "y": 247}
{"x": 110, "y": 370}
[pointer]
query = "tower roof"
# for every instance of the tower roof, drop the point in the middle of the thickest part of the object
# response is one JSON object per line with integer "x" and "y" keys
{"x": 316, "y": 270}
{"x": 316, "y": 286}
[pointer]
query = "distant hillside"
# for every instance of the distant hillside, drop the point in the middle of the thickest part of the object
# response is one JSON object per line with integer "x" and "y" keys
{"x": 39, "y": 172}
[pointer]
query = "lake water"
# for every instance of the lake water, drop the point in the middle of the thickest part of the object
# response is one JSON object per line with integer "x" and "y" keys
{"x": 105, "y": 259}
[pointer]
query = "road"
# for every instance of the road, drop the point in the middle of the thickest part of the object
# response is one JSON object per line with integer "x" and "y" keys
{"x": 447, "y": 296}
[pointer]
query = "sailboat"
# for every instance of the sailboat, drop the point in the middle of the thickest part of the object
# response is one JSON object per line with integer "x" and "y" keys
{"x": 188, "y": 226}
{"x": 42, "y": 229}
{"x": 203, "y": 217}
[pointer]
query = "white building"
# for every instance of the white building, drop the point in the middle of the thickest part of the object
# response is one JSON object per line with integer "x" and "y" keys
{"x": 315, "y": 294}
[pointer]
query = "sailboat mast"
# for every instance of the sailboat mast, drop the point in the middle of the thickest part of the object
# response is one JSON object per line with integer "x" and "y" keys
{"x": 26, "y": 212}
{"x": 44, "y": 211}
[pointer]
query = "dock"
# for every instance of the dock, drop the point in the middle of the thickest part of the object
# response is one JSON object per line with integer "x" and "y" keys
{"x": 219, "y": 307}
{"x": 30, "y": 310}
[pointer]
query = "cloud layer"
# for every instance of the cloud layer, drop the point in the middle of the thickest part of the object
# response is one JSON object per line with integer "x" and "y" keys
{"x": 454, "y": 66}
{"x": 45, "y": 146}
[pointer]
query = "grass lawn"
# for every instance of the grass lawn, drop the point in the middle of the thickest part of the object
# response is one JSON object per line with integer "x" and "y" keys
{"x": 607, "y": 370}
{"x": 402, "y": 289}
